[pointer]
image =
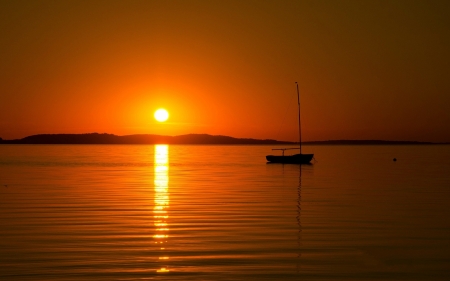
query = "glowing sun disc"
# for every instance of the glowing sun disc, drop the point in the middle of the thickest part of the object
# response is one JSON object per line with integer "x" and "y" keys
{"x": 161, "y": 115}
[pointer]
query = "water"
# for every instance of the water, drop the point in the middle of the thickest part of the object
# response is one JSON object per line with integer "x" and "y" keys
{"x": 144, "y": 212}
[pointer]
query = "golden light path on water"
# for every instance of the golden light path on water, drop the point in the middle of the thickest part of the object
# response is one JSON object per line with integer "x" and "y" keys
{"x": 160, "y": 211}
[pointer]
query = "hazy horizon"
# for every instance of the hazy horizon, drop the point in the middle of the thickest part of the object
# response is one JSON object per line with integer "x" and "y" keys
{"x": 221, "y": 135}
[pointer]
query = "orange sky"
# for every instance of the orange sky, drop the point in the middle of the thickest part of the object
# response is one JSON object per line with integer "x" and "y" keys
{"x": 366, "y": 69}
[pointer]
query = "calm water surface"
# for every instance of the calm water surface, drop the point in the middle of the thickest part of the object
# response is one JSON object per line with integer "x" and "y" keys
{"x": 144, "y": 212}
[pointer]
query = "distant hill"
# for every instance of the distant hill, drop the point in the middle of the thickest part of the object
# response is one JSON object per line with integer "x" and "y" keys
{"x": 95, "y": 138}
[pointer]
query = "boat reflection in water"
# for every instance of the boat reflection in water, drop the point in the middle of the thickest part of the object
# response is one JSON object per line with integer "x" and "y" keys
{"x": 299, "y": 219}
{"x": 160, "y": 211}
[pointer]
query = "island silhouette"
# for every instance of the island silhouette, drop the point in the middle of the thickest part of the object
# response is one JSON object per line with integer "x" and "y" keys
{"x": 104, "y": 138}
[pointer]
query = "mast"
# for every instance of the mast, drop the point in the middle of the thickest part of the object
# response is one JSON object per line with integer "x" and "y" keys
{"x": 299, "y": 124}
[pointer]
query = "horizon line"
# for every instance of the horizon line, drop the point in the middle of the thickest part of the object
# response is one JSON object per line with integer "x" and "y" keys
{"x": 329, "y": 141}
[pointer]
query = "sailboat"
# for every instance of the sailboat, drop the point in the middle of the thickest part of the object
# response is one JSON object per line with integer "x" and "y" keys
{"x": 295, "y": 158}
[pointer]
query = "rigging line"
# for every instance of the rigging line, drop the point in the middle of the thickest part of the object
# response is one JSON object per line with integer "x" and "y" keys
{"x": 284, "y": 119}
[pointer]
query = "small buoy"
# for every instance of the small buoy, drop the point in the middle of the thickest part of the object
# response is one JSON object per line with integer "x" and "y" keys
{"x": 395, "y": 159}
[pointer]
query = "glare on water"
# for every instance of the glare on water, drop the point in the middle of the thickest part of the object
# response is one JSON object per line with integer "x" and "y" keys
{"x": 161, "y": 215}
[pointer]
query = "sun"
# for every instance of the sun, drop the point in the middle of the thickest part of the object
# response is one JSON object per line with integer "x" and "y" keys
{"x": 161, "y": 115}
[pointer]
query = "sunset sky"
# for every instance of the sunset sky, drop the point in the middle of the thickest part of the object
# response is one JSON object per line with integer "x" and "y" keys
{"x": 366, "y": 69}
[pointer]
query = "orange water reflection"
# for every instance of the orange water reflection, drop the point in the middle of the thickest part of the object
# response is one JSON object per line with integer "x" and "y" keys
{"x": 160, "y": 212}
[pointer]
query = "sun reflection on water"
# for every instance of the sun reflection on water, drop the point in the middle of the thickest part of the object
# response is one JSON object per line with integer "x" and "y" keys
{"x": 160, "y": 212}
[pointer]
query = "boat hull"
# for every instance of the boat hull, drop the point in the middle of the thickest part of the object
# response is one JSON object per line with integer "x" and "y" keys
{"x": 290, "y": 159}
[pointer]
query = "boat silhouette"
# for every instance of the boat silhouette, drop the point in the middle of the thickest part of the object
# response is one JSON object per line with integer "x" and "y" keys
{"x": 295, "y": 158}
